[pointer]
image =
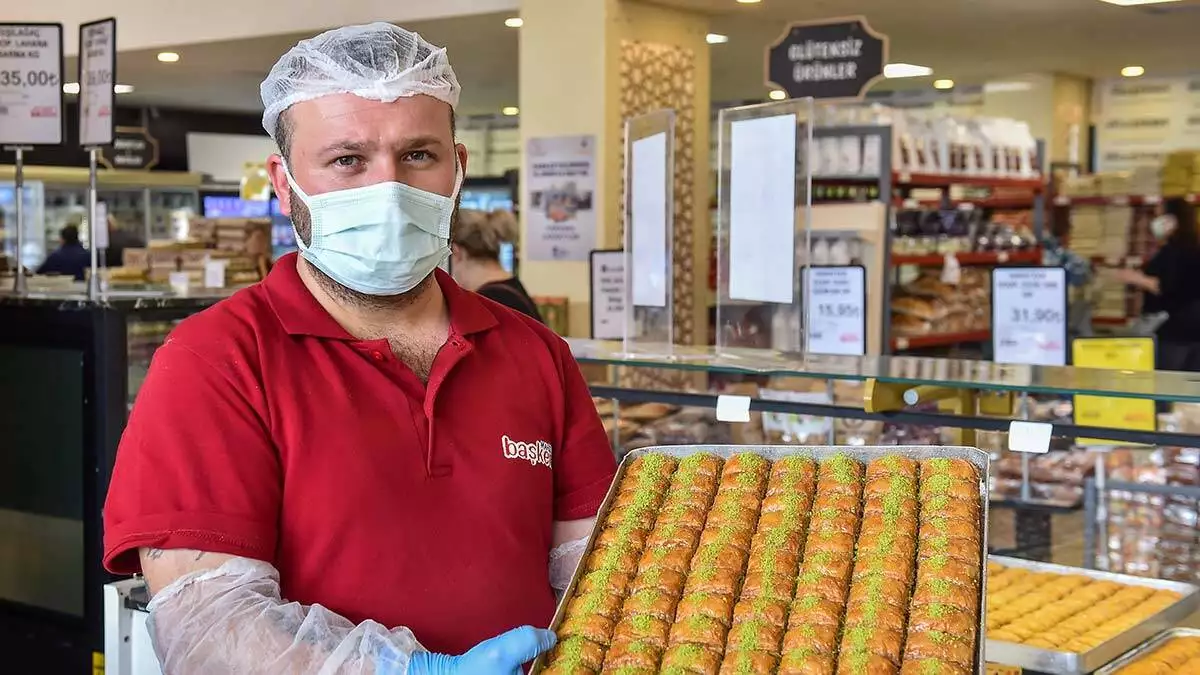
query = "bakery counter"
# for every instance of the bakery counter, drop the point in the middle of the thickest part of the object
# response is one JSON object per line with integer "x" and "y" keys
{"x": 71, "y": 367}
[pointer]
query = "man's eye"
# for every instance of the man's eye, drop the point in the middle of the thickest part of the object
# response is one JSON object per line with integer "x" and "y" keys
{"x": 346, "y": 161}
{"x": 419, "y": 156}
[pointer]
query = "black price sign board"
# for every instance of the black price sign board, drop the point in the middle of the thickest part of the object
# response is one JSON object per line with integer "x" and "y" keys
{"x": 833, "y": 58}
{"x": 132, "y": 148}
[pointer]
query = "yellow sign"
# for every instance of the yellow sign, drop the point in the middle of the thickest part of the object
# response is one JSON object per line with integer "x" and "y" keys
{"x": 1128, "y": 354}
{"x": 97, "y": 663}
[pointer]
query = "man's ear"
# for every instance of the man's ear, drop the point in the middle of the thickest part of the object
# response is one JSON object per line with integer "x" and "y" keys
{"x": 278, "y": 176}
{"x": 461, "y": 150}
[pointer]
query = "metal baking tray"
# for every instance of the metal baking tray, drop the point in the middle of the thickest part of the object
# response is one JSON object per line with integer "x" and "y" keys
{"x": 981, "y": 460}
{"x": 1071, "y": 663}
{"x": 1146, "y": 647}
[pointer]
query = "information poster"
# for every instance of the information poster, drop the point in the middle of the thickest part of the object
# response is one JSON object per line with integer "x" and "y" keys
{"x": 559, "y": 201}
{"x": 608, "y": 294}
{"x": 651, "y": 264}
{"x": 31, "y": 95}
{"x": 1029, "y": 315}
{"x": 97, "y": 75}
{"x": 762, "y": 209}
{"x": 1136, "y": 354}
{"x": 836, "y": 301}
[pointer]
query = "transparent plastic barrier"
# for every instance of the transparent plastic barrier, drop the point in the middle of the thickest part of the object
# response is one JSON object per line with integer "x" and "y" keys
{"x": 649, "y": 233}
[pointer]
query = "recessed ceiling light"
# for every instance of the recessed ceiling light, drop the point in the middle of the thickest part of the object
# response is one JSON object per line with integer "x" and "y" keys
{"x": 168, "y": 57}
{"x": 777, "y": 94}
{"x": 71, "y": 88}
{"x": 511, "y": 111}
{"x": 122, "y": 88}
{"x": 514, "y": 22}
{"x": 748, "y": 2}
{"x": 894, "y": 70}
{"x": 943, "y": 84}
{"x": 716, "y": 39}
{"x": 1133, "y": 71}
{"x": 1131, "y": 3}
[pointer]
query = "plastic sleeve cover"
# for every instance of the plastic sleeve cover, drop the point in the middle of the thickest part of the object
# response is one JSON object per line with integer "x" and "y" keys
{"x": 563, "y": 561}
{"x": 233, "y": 620}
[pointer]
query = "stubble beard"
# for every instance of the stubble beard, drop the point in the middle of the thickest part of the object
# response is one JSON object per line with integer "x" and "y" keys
{"x": 302, "y": 221}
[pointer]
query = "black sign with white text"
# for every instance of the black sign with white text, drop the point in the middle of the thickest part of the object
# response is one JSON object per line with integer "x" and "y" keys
{"x": 837, "y": 58}
{"x": 132, "y": 148}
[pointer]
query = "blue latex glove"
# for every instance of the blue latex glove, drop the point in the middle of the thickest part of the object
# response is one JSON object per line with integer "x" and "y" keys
{"x": 502, "y": 655}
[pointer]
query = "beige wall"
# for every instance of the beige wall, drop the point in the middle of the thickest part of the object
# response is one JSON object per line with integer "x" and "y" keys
{"x": 1051, "y": 104}
{"x": 571, "y": 83}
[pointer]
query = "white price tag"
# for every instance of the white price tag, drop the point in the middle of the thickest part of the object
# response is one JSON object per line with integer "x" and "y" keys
{"x": 97, "y": 76}
{"x": 732, "y": 408}
{"x": 1029, "y": 315}
{"x": 1062, "y": 200}
{"x": 1033, "y": 437}
{"x": 1152, "y": 199}
{"x": 31, "y": 95}
{"x": 180, "y": 282}
{"x": 836, "y": 299}
{"x": 214, "y": 273}
{"x": 608, "y": 294}
{"x": 101, "y": 227}
{"x": 951, "y": 270}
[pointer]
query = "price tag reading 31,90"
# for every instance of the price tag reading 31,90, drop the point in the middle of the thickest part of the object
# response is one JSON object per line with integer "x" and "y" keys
{"x": 31, "y": 95}
{"x": 837, "y": 310}
{"x": 1029, "y": 315}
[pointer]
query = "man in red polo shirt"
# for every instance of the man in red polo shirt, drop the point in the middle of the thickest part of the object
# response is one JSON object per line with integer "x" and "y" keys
{"x": 356, "y": 454}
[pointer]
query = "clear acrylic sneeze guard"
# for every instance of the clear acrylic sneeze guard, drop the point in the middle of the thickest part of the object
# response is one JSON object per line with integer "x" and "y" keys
{"x": 649, "y": 233}
{"x": 763, "y": 224}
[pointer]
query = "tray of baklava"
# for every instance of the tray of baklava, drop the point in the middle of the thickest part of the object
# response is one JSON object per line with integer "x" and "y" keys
{"x": 1071, "y": 621}
{"x": 1171, "y": 652}
{"x": 782, "y": 559}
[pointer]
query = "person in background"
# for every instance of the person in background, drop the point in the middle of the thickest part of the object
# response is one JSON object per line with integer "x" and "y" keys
{"x": 1169, "y": 286}
{"x": 70, "y": 258}
{"x": 475, "y": 259}
{"x": 119, "y": 239}
{"x": 258, "y": 247}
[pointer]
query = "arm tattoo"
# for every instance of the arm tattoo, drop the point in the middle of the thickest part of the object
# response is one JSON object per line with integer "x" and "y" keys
{"x": 154, "y": 553}
{"x": 199, "y": 555}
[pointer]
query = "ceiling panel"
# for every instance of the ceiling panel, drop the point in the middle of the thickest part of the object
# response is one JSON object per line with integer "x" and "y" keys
{"x": 968, "y": 40}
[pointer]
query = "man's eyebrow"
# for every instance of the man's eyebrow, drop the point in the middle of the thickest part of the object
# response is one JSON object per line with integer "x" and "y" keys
{"x": 348, "y": 146}
{"x": 417, "y": 142}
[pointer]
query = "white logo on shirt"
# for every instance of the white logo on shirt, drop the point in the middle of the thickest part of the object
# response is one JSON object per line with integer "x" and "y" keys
{"x": 534, "y": 453}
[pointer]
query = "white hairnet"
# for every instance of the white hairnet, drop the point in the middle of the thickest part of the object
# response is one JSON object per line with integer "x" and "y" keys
{"x": 377, "y": 61}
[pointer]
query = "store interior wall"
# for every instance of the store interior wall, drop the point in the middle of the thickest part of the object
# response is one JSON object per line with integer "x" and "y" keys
{"x": 576, "y": 60}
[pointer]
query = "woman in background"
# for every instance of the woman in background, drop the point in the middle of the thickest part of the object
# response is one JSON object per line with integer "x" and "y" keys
{"x": 475, "y": 259}
{"x": 1168, "y": 282}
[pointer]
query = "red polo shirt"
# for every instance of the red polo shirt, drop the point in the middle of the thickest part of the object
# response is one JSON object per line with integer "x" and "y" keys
{"x": 264, "y": 430}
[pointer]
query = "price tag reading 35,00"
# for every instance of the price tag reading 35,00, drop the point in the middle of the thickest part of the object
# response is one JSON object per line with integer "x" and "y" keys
{"x": 837, "y": 310}
{"x": 1029, "y": 315}
{"x": 31, "y": 96}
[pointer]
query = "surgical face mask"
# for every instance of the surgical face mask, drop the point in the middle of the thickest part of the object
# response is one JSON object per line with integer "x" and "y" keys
{"x": 380, "y": 239}
{"x": 1162, "y": 226}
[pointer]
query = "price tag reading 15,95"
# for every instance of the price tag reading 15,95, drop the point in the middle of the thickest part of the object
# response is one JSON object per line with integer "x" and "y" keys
{"x": 31, "y": 95}
{"x": 1029, "y": 315}
{"x": 837, "y": 310}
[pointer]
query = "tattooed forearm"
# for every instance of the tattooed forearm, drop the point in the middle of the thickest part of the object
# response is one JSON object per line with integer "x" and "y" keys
{"x": 154, "y": 553}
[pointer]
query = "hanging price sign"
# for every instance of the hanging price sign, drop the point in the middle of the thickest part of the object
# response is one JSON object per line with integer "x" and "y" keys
{"x": 97, "y": 77}
{"x": 31, "y": 95}
{"x": 1029, "y": 315}
{"x": 836, "y": 301}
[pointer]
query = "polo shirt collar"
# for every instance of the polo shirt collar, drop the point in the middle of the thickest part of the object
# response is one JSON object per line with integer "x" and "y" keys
{"x": 300, "y": 314}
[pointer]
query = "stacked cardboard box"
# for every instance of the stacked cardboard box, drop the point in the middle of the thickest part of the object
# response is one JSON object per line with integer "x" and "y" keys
{"x": 1181, "y": 174}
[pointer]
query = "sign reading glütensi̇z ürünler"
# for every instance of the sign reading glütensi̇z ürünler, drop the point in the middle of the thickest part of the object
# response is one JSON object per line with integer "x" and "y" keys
{"x": 833, "y": 58}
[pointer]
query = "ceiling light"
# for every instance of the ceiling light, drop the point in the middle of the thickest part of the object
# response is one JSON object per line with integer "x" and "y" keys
{"x": 71, "y": 88}
{"x": 514, "y": 22}
{"x": 122, "y": 88}
{"x": 511, "y": 111}
{"x": 1133, "y": 71}
{"x": 777, "y": 94}
{"x": 168, "y": 57}
{"x": 906, "y": 70}
{"x": 1131, "y": 3}
{"x": 943, "y": 84}
{"x": 748, "y": 2}
{"x": 716, "y": 39}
